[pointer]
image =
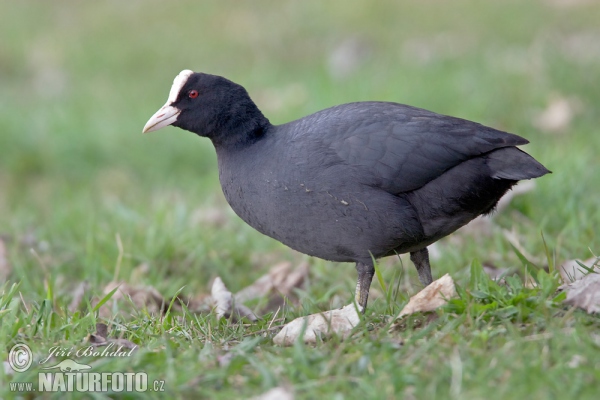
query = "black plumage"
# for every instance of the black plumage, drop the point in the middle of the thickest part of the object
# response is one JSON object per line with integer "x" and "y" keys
{"x": 352, "y": 182}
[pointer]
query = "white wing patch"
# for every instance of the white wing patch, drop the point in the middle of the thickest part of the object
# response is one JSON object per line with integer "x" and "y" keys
{"x": 178, "y": 83}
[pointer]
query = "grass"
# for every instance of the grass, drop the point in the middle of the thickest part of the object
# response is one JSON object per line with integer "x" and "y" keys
{"x": 79, "y": 182}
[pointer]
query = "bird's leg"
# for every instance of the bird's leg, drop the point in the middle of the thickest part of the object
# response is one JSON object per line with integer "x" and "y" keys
{"x": 365, "y": 276}
{"x": 421, "y": 260}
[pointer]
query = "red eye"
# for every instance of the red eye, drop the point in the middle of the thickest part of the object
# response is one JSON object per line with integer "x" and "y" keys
{"x": 193, "y": 94}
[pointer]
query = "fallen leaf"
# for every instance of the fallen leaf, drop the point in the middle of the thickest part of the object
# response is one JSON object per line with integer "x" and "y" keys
{"x": 222, "y": 298}
{"x": 277, "y": 393}
{"x": 100, "y": 339}
{"x": 571, "y": 271}
{"x": 78, "y": 295}
{"x": 142, "y": 297}
{"x": 241, "y": 311}
{"x": 435, "y": 295}
{"x": 225, "y": 304}
{"x": 202, "y": 303}
{"x": 324, "y": 324}
{"x": 584, "y": 293}
{"x": 278, "y": 285}
{"x": 495, "y": 273}
{"x": 513, "y": 239}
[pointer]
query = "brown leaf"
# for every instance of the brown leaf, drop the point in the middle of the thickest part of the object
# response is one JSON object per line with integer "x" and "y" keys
{"x": 431, "y": 297}
{"x": 222, "y": 298}
{"x": 278, "y": 284}
{"x": 78, "y": 295}
{"x": 585, "y": 293}
{"x": 202, "y": 303}
{"x": 513, "y": 238}
{"x": 142, "y": 297}
{"x": 495, "y": 273}
{"x": 102, "y": 329}
{"x": 124, "y": 343}
{"x": 225, "y": 304}
{"x": 571, "y": 271}
{"x": 100, "y": 338}
{"x": 319, "y": 325}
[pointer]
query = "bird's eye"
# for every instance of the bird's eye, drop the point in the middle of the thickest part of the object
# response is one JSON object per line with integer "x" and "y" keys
{"x": 193, "y": 94}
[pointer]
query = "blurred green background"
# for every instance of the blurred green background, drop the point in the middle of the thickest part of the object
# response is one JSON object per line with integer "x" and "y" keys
{"x": 79, "y": 80}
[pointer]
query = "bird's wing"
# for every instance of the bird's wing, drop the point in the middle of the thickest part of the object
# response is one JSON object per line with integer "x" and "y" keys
{"x": 400, "y": 148}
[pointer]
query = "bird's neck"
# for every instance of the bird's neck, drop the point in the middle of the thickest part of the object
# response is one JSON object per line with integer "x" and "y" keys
{"x": 243, "y": 126}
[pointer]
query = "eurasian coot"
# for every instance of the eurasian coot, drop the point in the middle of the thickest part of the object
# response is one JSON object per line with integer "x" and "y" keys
{"x": 353, "y": 182}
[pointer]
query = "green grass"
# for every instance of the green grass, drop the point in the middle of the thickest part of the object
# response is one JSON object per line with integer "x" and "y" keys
{"x": 79, "y": 82}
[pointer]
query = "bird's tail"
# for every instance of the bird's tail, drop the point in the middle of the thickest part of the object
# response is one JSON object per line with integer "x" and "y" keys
{"x": 514, "y": 164}
{"x": 470, "y": 189}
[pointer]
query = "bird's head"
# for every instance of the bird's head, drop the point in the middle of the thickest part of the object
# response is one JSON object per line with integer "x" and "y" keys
{"x": 210, "y": 106}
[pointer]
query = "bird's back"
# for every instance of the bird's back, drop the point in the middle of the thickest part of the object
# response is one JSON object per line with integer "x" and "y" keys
{"x": 345, "y": 182}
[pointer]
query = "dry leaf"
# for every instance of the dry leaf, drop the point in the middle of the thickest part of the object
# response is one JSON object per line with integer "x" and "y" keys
{"x": 202, "y": 303}
{"x": 278, "y": 285}
{"x": 100, "y": 338}
{"x": 5, "y": 267}
{"x": 78, "y": 295}
{"x": 277, "y": 393}
{"x": 571, "y": 271}
{"x": 431, "y": 297}
{"x": 513, "y": 238}
{"x": 585, "y": 293}
{"x": 495, "y": 273}
{"x": 222, "y": 298}
{"x": 141, "y": 296}
{"x": 319, "y": 325}
{"x": 241, "y": 311}
{"x": 226, "y": 306}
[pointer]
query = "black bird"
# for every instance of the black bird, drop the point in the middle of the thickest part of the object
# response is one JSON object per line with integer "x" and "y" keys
{"x": 353, "y": 182}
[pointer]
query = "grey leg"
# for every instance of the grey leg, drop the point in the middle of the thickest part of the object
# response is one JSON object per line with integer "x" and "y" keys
{"x": 365, "y": 276}
{"x": 421, "y": 260}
